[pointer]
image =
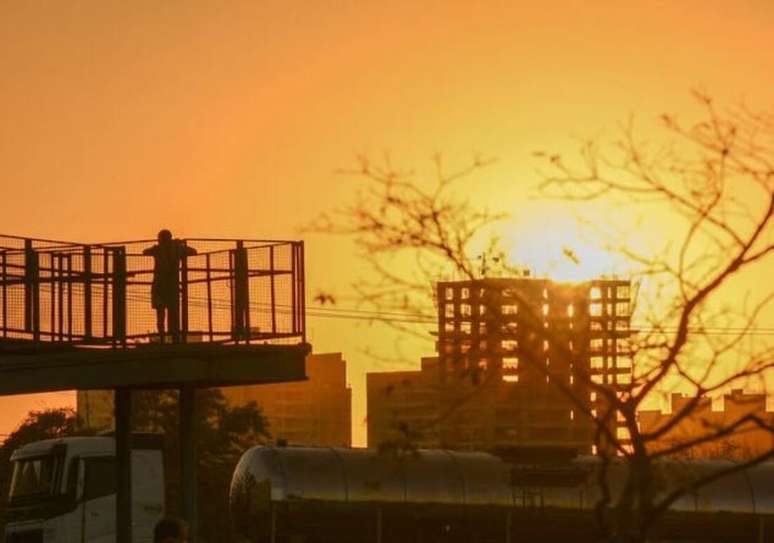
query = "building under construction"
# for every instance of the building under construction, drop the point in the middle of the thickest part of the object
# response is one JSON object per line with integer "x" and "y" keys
{"x": 515, "y": 356}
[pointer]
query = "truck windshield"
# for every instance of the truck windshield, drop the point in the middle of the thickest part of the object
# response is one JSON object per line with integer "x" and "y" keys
{"x": 36, "y": 476}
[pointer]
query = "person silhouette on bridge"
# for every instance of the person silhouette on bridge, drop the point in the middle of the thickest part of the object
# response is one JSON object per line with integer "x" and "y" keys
{"x": 167, "y": 254}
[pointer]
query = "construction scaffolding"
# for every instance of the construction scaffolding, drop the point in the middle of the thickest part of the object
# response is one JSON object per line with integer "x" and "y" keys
{"x": 532, "y": 345}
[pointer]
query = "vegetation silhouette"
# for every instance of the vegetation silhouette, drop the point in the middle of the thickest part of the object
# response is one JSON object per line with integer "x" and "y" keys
{"x": 224, "y": 433}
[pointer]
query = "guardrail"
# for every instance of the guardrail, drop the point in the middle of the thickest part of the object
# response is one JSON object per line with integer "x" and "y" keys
{"x": 232, "y": 291}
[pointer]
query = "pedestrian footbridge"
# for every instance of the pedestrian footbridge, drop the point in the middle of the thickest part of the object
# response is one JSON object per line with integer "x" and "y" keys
{"x": 79, "y": 315}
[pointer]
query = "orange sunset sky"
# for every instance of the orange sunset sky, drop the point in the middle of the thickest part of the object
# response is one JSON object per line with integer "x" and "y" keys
{"x": 228, "y": 119}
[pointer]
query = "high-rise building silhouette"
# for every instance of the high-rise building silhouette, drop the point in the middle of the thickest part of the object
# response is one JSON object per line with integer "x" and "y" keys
{"x": 515, "y": 356}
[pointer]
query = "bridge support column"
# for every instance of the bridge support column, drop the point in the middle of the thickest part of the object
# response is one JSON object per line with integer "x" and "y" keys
{"x": 188, "y": 459}
{"x": 123, "y": 411}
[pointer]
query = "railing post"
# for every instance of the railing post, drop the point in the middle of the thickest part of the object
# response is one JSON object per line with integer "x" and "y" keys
{"x": 294, "y": 287}
{"x": 273, "y": 296}
{"x": 209, "y": 296}
{"x": 87, "y": 277}
{"x": 302, "y": 290}
{"x": 119, "y": 295}
{"x": 60, "y": 293}
{"x": 27, "y": 285}
{"x": 105, "y": 286}
{"x": 52, "y": 281}
{"x": 4, "y": 292}
{"x": 241, "y": 294}
{"x": 31, "y": 290}
{"x": 69, "y": 297}
{"x": 183, "y": 332}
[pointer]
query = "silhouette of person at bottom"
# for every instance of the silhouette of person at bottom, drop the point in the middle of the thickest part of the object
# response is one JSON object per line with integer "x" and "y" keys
{"x": 167, "y": 254}
{"x": 170, "y": 530}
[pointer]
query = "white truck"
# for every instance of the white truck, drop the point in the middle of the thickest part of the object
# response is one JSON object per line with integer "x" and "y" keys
{"x": 64, "y": 490}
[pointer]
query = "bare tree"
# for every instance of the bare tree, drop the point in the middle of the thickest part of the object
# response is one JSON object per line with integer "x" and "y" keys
{"x": 715, "y": 176}
{"x": 412, "y": 232}
{"x": 697, "y": 334}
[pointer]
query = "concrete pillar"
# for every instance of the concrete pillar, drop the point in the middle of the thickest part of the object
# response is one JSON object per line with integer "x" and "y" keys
{"x": 188, "y": 459}
{"x": 123, "y": 411}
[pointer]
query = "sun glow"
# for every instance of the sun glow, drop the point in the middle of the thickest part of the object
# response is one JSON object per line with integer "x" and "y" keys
{"x": 561, "y": 252}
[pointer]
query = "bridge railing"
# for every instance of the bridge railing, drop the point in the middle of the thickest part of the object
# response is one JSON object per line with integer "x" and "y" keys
{"x": 231, "y": 291}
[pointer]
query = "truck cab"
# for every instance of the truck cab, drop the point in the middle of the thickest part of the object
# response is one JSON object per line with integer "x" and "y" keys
{"x": 64, "y": 490}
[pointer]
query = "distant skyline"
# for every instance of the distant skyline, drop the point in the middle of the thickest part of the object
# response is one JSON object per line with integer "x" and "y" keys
{"x": 230, "y": 119}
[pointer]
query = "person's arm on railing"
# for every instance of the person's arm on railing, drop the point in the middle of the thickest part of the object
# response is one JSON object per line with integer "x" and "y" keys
{"x": 183, "y": 249}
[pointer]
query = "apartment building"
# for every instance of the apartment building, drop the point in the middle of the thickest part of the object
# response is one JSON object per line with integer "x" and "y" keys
{"x": 748, "y": 441}
{"x": 314, "y": 412}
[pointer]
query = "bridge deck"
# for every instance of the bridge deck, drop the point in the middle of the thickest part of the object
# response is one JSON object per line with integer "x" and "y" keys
{"x": 152, "y": 366}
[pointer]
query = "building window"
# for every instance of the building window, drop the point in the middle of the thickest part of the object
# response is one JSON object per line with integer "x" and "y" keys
{"x": 509, "y": 344}
{"x": 511, "y": 327}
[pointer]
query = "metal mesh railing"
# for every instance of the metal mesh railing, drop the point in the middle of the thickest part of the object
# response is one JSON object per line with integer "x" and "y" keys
{"x": 100, "y": 294}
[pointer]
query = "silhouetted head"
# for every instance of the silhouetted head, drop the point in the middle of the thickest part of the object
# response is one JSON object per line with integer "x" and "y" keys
{"x": 170, "y": 530}
{"x": 165, "y": 236}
